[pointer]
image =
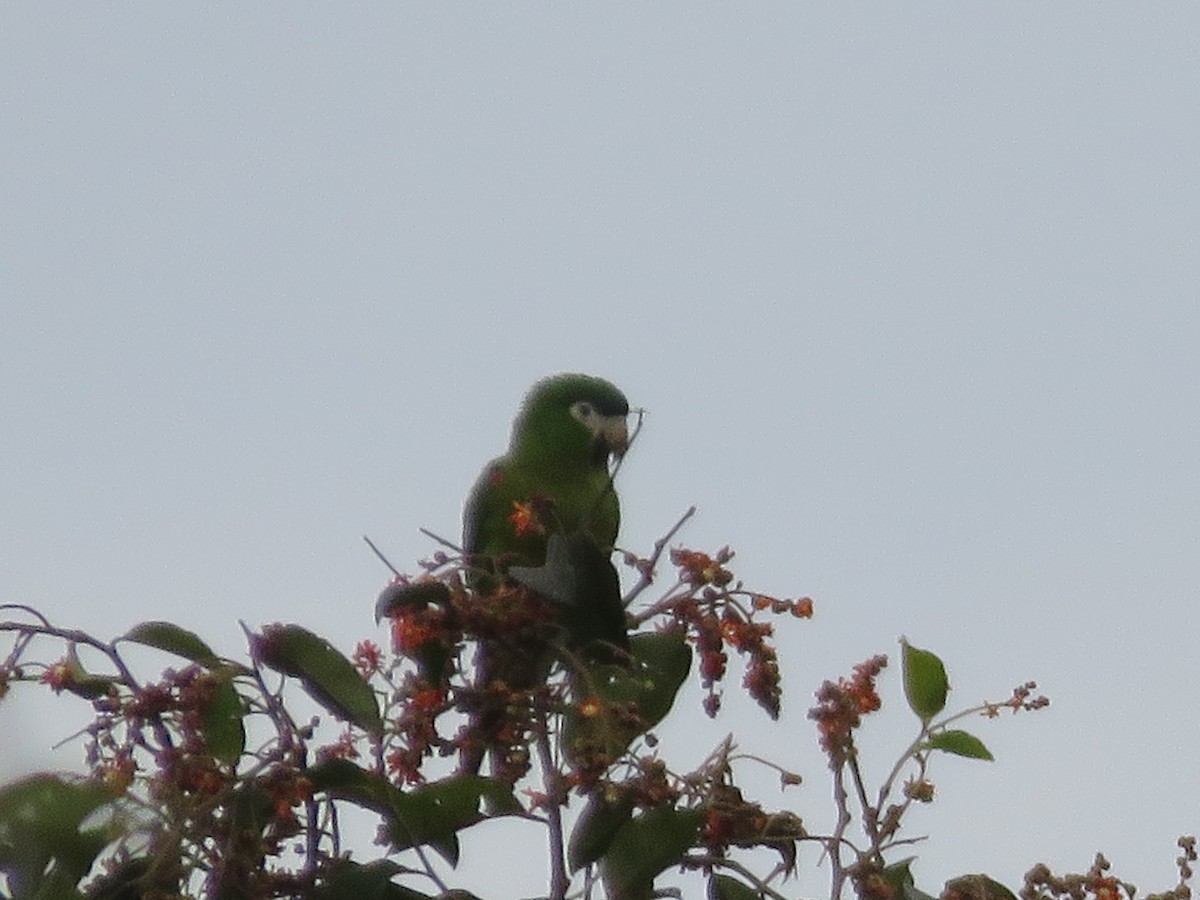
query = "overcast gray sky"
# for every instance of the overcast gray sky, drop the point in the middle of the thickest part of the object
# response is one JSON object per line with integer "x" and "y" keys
{"x": 909, "y": 291}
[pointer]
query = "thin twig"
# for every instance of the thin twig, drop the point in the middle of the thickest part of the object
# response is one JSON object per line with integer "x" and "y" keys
{"x": 637, "y": 429}
{"x": 450, "y": 545}
{"x": 648, "y": 565}
{"x": 790, "y": 778}
{"x": 722, "y": 862}
{"x": 383, "y": 559}
{"x": 870, "y": 815}
{"x": 609, "y": 487}
{"x": 834, "y": 848}
{"x": 910, "y": 752}
{"x": 26, "y": 609}
{"x": 74, "y": 636}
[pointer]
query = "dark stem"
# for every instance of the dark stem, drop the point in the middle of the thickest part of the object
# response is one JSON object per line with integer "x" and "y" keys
{"x": 383, "y": 559}
{"x": 647, "y": 575}
{"x": 559, "y": 882}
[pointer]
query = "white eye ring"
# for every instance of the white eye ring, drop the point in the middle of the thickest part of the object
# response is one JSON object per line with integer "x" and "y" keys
{"x": 583, "y": 411}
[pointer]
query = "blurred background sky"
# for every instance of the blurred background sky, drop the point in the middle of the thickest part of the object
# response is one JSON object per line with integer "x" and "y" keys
{"x": 909, "y": 292}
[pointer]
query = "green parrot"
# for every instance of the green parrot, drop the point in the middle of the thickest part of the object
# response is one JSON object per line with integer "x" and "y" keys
{"x": 556, "y": 468}
{"x": 546, "y": 515}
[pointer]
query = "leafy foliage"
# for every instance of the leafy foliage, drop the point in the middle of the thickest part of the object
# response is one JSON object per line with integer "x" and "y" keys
{"x": 206, "y": 781}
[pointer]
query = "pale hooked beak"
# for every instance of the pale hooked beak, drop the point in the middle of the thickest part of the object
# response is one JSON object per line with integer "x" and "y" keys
{"x": 614, "y": 431}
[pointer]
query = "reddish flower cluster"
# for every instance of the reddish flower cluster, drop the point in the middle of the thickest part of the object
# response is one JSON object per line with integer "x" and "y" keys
{"x": 705, "y": 631}
{"x": 525, "y": 519}
{"x": 762, "y": 672}
{"x": 650, "y": 787}
{"x": 149, "y": 703}
{"x": 287, "y": 789}
{"x": 368, "y": 658}
{"x": 716, "y": 620}
{"x": 502, "y": 728}
{"x": 188, "y": 773}
{"x": 1042, "y": 884}
{"x": 730, "y": 819}
{"x": 701, "y": 569}
{"x": 919, "y": 789}
{"x": 763, "y": 683}
{"x": 841, "y": 706}
{"x": 170, "y": 722}
{"x": 60, "y": 675}
{"x": 344, "y": 748}
{"x": 590, "y": 707}
{"x": 117, "y": 773}
{"x": 513, "y": 625}
{"x": 1021, "y": 699}
{"x": 801, "y": 609}
{"x": 415, "y": 626}
{"x": 404, "y": 766}
{"x": 415, "y": 728}
{"x": 512, "y": 622}
{"x": 512, "y": 614}
{"x": 183, "y": 699}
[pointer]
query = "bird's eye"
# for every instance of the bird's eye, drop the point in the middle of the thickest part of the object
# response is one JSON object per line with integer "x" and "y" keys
{"x": 583, "y": 410}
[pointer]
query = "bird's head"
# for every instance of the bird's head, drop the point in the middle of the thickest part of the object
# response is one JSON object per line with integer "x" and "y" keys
{"x": 573, "y": 417}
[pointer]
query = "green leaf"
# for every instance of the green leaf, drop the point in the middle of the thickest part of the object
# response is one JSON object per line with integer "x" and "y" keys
{"x": 644, "y": 847}
{"x": 912, "y": 892}
{"x": 327, "y": 676}
{"x": 344, "y": 780}
{"x": 41, "y": 841}
{"x": 369, "y": 881}
{"x": 597, "y": 826}
{"x": 224, "y": 730}
{"x": 660, "y": 666}
{"x": 976, "y": 887}
{"x": 68, "y": 674}
{"x": 431, "y": 814}
{"x": 173, "y": 639}
{"x": 960, "y": 743}
{"x": 925, "y": 683}
{"x": 89, "y": 686}
{"x": 725, "y": 887}
{"x": 434, "y": 813}
{"x": 662, "y": 662}
{"x": 899, "y": 876}
{"x": 252, "y": 805}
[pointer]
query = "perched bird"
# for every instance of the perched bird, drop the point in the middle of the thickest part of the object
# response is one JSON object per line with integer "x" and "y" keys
{"x": 546, "y": 515}
{"x": 556, "y": 468}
